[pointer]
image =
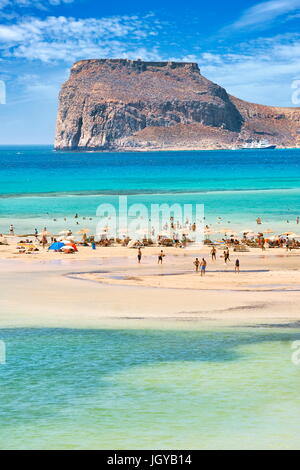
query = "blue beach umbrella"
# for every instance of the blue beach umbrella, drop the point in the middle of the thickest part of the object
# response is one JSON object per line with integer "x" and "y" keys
{"x": 56, "y": 246}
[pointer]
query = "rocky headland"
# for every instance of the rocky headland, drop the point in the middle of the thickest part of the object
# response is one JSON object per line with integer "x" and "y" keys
{"x": 123, "y": 105}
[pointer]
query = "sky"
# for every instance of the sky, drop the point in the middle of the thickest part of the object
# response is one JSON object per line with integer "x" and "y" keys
{"x": 251, "y": 48}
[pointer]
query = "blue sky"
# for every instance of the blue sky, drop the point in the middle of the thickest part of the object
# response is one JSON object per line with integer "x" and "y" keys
{"x": 251, "y": 48}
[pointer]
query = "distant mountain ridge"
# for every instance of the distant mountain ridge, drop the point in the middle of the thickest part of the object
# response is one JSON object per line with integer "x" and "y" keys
{"x": 120, "y": 104}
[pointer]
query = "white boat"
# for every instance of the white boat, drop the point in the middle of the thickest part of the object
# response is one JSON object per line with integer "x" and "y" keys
{"x": 259, "y": 145}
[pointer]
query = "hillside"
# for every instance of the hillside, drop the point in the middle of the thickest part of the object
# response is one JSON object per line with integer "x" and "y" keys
{"x": 118, "y": 104}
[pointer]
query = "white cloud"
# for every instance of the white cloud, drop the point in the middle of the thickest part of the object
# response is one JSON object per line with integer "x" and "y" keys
{"x": 262, "y": 14}
{"x": 68, "y": 39}
{"x": 42, "y": 4}
{"x": 263, "y": 72}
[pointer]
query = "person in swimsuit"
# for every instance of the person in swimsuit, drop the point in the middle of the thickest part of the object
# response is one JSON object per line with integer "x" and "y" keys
{"x": 139, "y": 256}
{"x": 160, "y": 257}
{"x": 237, "y": 266}
{"x": 226, "y": 256}
{"x": 203, "y": 267}
{"x": 197, "y": 264}
{"x": 213, "y": 254}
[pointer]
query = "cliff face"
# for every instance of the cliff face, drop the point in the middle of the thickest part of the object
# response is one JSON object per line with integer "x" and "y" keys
{"x": 122, "y": 105}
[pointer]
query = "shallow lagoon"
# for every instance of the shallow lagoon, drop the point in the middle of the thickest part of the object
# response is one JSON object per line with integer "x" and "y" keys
{"x": 102, "y": 389}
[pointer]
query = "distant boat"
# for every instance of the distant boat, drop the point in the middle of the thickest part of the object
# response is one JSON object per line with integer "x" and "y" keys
{"x": 260, "y": 145}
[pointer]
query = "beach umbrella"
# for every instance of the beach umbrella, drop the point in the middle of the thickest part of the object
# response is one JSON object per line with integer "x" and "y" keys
{"x": 65, "y": 241}
{"x": 225, "y": 230}
{"x": 83, "y": 231}
{"x": 268, "y": 231}
{"x": 64, "y": 232}
{"x": 56, "y": 246}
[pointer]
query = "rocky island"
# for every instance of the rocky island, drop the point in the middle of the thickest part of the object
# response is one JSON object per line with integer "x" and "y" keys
{"x": 122, "y": 105}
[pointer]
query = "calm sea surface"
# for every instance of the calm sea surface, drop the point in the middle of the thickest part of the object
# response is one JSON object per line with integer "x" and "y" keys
{"x": 123, "y": 389}
{"x": 139, "y": 389}
{"x": 38, "y": 184}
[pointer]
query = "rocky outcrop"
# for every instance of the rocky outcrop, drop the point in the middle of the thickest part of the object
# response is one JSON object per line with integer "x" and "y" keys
{"x": 122, "y": 105}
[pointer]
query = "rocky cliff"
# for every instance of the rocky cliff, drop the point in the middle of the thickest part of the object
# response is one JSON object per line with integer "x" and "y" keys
{"x": 120, "y": 104}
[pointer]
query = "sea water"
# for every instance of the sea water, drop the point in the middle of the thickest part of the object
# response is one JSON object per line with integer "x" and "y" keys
{"x": 142, "y": 389}
{"x": 123, "y": 389}
{"x": 38, "y": 185}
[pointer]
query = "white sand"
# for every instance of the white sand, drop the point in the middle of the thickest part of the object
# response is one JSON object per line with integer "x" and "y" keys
{"x": 57, "y": 290}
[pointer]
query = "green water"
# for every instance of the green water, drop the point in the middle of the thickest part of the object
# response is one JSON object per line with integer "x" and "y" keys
{"x": 124, "y": 389}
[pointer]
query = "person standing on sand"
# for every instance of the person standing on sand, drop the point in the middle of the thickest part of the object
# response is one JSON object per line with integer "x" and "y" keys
{"x": 139, "y": 256}
{"x": 161, "y": 257}
{"x": 203, "y": 267}
{"x": 213, "y": 254}
{"x": 11, "y": 230}
{"x": 44, "y": 241}
{"x": 237, "y": 266}
{"x": 197, "y": 264}
{"x": 226, "y": 256}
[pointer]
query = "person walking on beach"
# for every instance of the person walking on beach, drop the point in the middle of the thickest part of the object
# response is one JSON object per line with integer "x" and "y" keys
{"x": 203, "y": 267}
{"x": 161, "y": 257}
{"x": 237, "y": 266}
{"x": 139, "y": 256}
{"x": 197, "y": 264}
{"x": 213, "y": 254}
{"x": 11, "y": 230}
{"x": 226, "y": 256}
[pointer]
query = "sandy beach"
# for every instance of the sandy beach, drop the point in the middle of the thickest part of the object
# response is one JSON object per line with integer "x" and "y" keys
{"x": 107, "y": 287}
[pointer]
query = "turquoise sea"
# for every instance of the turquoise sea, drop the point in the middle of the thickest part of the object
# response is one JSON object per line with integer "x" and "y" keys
{"x": 182, "y": 388}
{"x": 145, "y": 389}
{"x": 38, "y": 185}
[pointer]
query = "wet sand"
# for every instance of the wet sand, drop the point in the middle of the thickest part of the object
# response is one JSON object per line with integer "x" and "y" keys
{"x": 107, "y": 288}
